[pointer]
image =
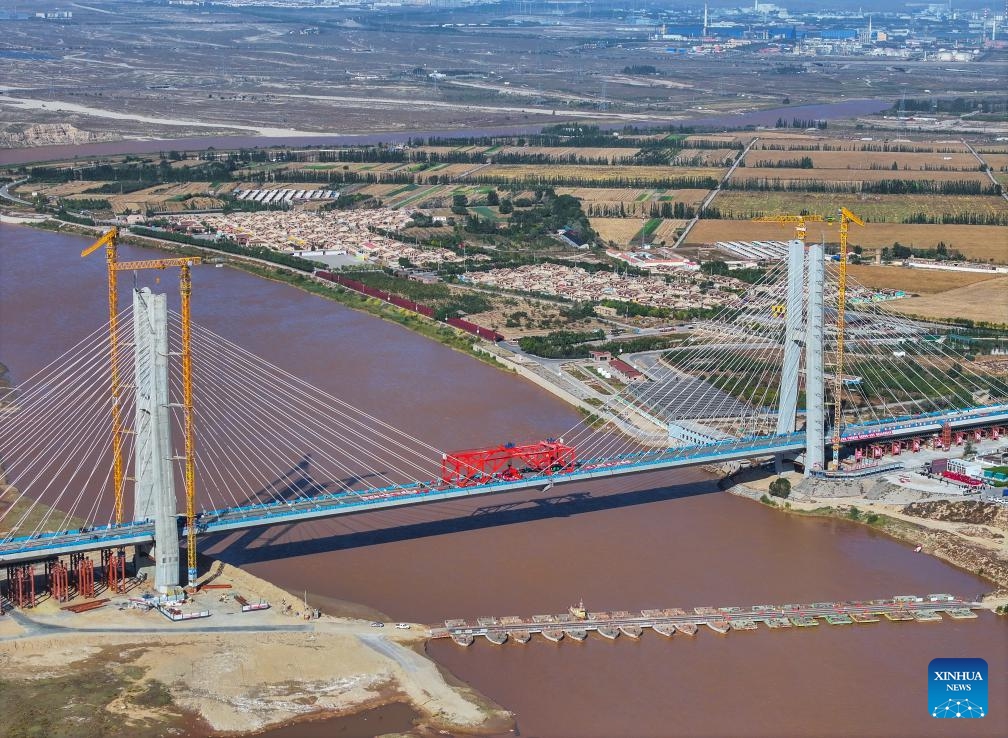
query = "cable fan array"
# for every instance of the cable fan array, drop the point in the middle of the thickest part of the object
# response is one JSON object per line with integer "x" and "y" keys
{"x": 55, "y": 439}
{"x": 722, "y": 382}
{"x": 266, "y": 436}
{"x": 263, "y": 435}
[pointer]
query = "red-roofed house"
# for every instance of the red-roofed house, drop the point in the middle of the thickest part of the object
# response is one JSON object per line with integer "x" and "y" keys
{"x": 624, "y": 372}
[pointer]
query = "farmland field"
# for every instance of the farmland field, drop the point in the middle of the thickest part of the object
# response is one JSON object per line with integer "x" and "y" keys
{"x": 983, "y": 243}
{"x": 744, "y": 174}
{"x": 449, "y": 170}
{"x": 873, "y": 208}
{"x": 865, "y": 160}
{"x": 617, "y": 230}
{"x": 982, "y": 301}
{"x": 918, "y": 281}
{"x": 799, "y": 141}
{"x": 521, "y": 172}
{"x": 665, "y": 233}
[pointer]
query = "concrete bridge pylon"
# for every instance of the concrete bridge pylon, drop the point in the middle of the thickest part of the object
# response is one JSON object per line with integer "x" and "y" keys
{"x": 154, "y": 496}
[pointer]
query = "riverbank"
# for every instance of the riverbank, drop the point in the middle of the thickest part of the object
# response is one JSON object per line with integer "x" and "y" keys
{"x": 969, "y": 535}
{"x": 231, "y": 674}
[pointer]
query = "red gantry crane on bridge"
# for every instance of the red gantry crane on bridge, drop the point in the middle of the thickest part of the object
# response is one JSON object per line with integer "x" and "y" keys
{"x": 508, "y": 461}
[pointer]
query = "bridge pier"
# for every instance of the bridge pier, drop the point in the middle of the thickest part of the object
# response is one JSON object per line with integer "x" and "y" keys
{"x": 154, "y": 495}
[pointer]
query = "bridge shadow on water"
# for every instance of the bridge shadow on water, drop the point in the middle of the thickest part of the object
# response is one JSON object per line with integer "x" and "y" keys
{"x": 258, "y": 544}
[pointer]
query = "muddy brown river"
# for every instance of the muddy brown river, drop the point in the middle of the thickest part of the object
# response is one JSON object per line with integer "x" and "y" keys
{"x": 658, "y": 540}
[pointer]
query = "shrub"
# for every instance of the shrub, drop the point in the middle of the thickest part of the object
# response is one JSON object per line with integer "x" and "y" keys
{"x": 780, "y": 487}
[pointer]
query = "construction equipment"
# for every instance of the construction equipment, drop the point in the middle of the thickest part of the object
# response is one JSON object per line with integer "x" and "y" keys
{"x": 479, "y": 466}
{"x": 185, "y": 289}
{"x": 109, "y": 242}
{"x": 799, "y": 222}
{"x": 846, "y": 218}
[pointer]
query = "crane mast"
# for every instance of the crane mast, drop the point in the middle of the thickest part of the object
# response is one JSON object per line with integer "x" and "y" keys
{"x": 109, "y": 242}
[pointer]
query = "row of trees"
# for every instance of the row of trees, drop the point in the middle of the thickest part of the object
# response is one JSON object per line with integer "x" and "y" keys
{"x": 878, "y": 187}
{"x": 804, "y": 162}
{"x": 968, "y": 218}
{"x": 801, "y": 123}
{"x": 572, "y": 180}
{"x": 672, "y": 210}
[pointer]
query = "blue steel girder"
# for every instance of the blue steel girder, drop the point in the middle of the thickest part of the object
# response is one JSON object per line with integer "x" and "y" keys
{"x": 218, "y": 521}
{"x": 48, "y": 545}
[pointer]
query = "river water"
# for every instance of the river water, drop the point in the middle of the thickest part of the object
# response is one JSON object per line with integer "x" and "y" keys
{"x": 660, "y": 540}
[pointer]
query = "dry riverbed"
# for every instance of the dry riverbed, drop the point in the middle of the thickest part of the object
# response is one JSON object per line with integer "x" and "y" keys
{"x": 145, "y": 676}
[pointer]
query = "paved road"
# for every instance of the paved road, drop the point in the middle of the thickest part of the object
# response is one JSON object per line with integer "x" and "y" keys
{"x": 34, "y": 627}
{"x": 987, "y": 169}
{"x": 403, "y": 656}
{"x": 5, "y": 192}
{"x": 713, "y": 193}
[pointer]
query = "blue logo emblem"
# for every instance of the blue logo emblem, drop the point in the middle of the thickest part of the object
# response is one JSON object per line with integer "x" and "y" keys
{"x": 957, "y": 688}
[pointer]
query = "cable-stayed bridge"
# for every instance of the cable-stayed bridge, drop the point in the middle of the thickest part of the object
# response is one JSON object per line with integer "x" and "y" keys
{"x": 758, "y": 381}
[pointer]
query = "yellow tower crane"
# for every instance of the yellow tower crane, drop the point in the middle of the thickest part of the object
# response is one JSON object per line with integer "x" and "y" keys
{"x": 799, "y": 222}
{"x": 185, "y": 289}
{"x": 846, "y": 218}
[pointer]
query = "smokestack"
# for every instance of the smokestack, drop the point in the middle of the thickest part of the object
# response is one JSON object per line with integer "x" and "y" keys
{"x": 705, "y": 20}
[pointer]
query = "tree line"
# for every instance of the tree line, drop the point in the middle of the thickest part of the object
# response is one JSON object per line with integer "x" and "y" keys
{"x": 879, "y": 187}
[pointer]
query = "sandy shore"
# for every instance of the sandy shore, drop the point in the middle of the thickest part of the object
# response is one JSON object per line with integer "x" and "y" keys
{"x": 242, "y": 672}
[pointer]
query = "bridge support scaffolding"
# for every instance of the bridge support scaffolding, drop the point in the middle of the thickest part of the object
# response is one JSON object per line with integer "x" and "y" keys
{"x": 21, "y": 585}
{"x": 155, "y": 483}
{"x": 59, "y": 580}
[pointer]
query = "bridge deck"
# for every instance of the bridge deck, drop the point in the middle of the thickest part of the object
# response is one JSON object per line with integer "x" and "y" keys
{"x": 49, "y": 545}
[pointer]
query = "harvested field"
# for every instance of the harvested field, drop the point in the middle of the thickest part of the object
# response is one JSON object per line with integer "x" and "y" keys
{"x": 981, "y": 243}
{"x": 452, "y": 171}
{"x": 617, "y": 230}
{"x": 607, "y": 194}
{"x": 978, "y": 243}
{"x": 728, "y": 137}
{"x": 917, "y": 281}
{"x": 519, "y": 172}
{"x": 665, "y": 234}
{"x": 996, "y": 161}
{"x": 64, "y": 189}
{"x": 872, "y": 208}
{"x": 612, "y": 155}
{"x": 983, "y": 301}
{"x": 689, "y": 196}
{"x": 744, "y": 174}
{"x": 708, "y": 157}
{"x": 865, "y": 160}
{"x": 802, "y": 141}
